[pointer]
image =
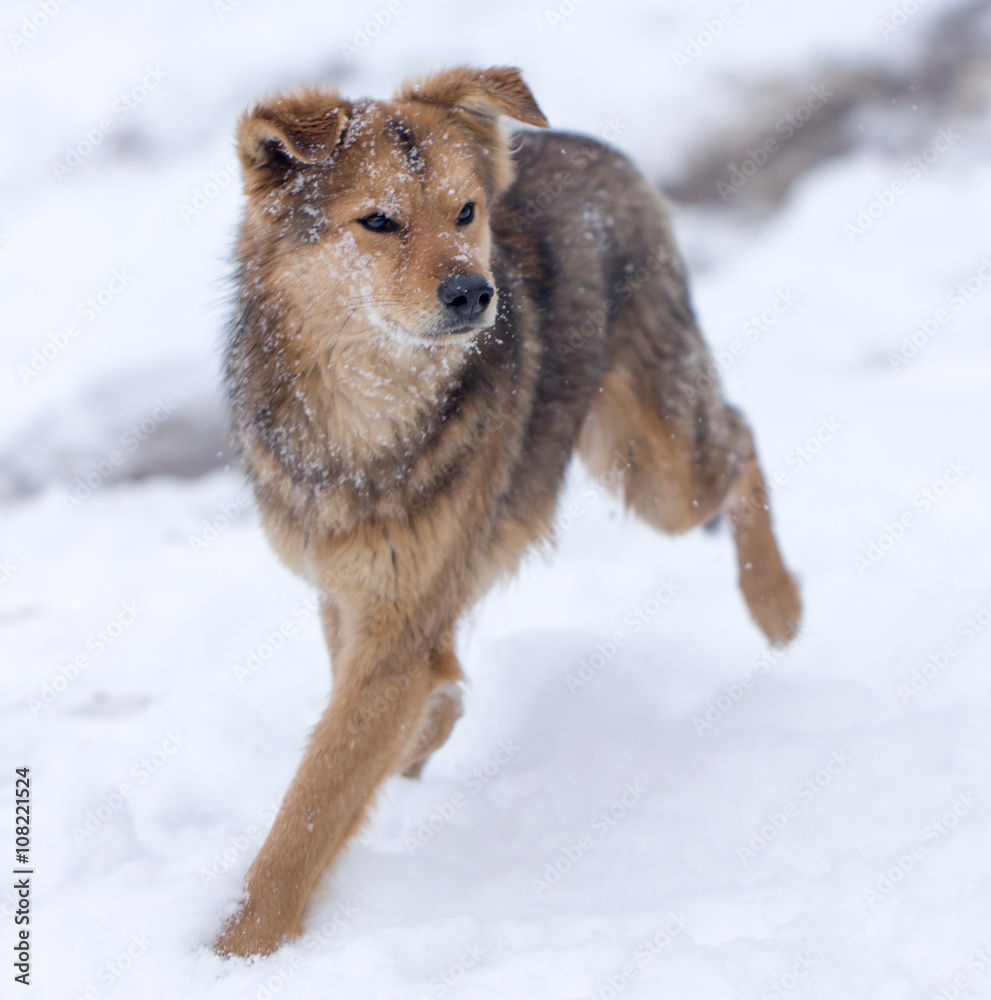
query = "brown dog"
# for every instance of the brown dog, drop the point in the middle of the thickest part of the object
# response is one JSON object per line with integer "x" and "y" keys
{"x": 432, "y": 317}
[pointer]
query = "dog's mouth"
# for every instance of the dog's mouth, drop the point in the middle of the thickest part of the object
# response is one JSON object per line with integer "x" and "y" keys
{"x": 466, "y": 329}
{"x": 449, "y": 330}
{"x": 463, "y": 332}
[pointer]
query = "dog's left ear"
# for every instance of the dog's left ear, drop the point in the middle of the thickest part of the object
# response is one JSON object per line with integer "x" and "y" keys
{"x": 478, "y": 97}
{"x": 496, "y": 91}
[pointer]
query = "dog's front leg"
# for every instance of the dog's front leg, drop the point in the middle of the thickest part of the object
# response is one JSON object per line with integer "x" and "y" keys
{"x": 381, "y": 685}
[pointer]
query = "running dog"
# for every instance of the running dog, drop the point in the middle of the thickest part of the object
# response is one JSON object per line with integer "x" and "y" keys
{"x": 432, "y": 317}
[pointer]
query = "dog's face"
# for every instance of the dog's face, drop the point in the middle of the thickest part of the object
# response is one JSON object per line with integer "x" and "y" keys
{"x": 374, "y": 216}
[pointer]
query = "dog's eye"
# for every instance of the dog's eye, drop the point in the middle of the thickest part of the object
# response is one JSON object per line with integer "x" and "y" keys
{"x": 379, "y": 223}
{"x": 466, "y": 214}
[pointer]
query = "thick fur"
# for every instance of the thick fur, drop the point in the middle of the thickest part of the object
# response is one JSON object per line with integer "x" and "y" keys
{"x": 403, "y": 462}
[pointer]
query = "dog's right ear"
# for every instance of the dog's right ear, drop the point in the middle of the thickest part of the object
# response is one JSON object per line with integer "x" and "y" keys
{"x": 277, "y": 138}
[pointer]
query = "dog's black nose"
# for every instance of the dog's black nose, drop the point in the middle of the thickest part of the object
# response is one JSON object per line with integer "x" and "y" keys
{"x": 466, "y": 295}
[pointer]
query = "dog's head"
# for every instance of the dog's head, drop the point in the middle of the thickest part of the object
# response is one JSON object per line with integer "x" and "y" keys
{"x": 377, "y": 212}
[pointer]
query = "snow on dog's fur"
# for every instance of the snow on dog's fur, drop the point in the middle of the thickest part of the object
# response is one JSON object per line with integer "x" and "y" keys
{"x": 416, "y": 354}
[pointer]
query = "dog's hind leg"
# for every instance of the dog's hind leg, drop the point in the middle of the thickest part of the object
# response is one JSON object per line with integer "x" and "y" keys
{"x": 682, "y": 457}
{"x": 771, "y": 593}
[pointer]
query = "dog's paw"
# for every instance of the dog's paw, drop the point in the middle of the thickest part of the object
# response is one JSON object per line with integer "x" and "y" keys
{"x": 775, "y": 603}
{"x": 249, "y": 932}
{"x": 414, "y": 770}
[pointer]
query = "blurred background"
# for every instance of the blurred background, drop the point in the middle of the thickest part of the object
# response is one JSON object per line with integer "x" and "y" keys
{"x": 128, "y": 118}
{"x": 829, "y": 168}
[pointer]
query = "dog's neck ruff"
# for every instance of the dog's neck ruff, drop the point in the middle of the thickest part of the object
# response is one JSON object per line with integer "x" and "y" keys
{"x": 383, "y": 399}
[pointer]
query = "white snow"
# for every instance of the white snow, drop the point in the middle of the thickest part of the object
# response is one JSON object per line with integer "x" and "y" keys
{"x": 149, "y": 613}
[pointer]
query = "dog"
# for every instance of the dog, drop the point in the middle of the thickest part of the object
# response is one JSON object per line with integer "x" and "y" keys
{"x": 432, "y": 317}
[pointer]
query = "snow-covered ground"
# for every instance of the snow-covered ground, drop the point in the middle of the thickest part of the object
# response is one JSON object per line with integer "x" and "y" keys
{"x": 683, "y": 814}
